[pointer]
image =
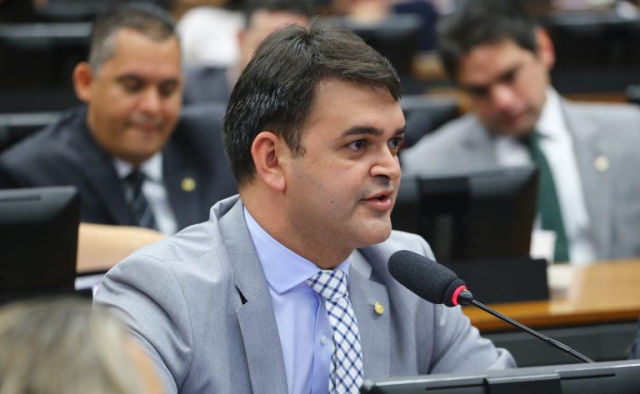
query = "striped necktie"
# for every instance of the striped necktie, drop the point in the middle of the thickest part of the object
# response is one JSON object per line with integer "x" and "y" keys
{"x": 140, "y": 210}
{"x": 346, "y": 374}
{"x": 548, "y": 203}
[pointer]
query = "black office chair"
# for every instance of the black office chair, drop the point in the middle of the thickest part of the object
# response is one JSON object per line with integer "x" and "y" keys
{"x": 424, "y": 114}
{"x": 397, "y": 37}
{"x": 16, "y": 127}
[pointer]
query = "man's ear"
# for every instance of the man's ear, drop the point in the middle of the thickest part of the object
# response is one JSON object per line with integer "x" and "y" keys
{"x": 268, "y": 155}
{"x": 545, "y": 48}
{"x": 82, "y": 80}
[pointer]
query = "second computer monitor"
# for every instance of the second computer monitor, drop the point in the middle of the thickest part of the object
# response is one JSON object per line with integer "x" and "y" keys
{"x": 470, "y": 215}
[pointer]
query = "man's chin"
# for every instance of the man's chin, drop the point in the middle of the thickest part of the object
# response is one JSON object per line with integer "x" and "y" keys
{"x": 512, "y": 131}
{"x": 376, "y": 234}
{"x": 137, "y": 157}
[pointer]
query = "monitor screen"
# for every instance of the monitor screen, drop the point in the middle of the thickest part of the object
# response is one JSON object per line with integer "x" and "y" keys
{"x": 470, "y": 215}
{"x": 614, "y": 377}
{"x": 38, "y": 241}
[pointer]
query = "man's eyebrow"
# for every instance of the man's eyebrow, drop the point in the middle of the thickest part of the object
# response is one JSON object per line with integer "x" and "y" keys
{"x": 368, "y": 130}
{"x": 510, "y": 71}
{"x": 136, "y": 77}
{"x": 126, "y": 77}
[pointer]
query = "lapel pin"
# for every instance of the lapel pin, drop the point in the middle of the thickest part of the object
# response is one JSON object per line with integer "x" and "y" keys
{"x": 378, "y": 308}
{"x": 601, "y": 163}
{"x": 188, "y": 184}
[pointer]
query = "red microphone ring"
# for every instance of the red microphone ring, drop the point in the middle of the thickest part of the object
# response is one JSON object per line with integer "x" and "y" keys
{"x": 454, "y": 298}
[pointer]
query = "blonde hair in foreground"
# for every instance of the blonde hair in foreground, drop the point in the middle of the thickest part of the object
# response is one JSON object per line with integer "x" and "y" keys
{"x": 61, "y": 346}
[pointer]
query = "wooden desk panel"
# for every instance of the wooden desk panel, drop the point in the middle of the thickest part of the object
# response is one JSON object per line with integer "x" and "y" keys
{"x": 606, "y": 292}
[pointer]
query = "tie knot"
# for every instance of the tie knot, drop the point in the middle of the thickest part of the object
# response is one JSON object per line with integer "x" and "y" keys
{"x": 135, "y": 179}
{"x": 531, "y": 140}
{"x": 329, "y": 284}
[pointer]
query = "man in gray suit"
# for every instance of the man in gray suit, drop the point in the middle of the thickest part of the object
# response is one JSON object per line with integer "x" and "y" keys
{"x": 587, "y": 154}
{"x": 286, "y": 289}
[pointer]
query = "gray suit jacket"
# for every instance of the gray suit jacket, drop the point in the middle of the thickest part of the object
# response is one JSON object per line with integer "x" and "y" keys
{"x": 200, "y": 304}
{"x": 601, "y": 133}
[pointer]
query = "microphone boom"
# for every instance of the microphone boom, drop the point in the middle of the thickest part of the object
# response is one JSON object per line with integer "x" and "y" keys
{"x": 439, "y": 285}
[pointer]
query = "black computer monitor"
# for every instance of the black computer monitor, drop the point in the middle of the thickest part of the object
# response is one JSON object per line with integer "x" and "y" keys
{"x": 614, "y": 377}
{"x": 38, "y": 241}
{"x": 470, "y": 215}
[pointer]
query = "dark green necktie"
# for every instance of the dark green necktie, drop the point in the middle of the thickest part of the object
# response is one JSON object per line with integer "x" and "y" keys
{"x": 548, "y": 203}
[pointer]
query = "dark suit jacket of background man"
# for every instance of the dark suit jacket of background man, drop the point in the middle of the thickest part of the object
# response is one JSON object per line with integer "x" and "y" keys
{"x": 206, "y": 85}
{"x": 66, "y": 153}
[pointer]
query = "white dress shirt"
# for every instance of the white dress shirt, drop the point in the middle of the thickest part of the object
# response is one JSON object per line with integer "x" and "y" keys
{"x": 154, "y": 191}
{"x": 557, "y": 144}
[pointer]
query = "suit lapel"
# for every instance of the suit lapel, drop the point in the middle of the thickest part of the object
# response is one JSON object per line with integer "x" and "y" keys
{"x": 183, "y": 197}
{"x": 101, "y": 175}
{"x": 256, "y": 317}
{"x": 588, "y": 147}
{"x": 374, "y": 326}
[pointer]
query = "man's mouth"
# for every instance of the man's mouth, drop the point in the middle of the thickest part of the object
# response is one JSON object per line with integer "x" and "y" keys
{"x": 380, "y": 200}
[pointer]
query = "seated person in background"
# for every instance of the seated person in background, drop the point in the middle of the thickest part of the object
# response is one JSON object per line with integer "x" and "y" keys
{"x": 210, "y": 84}
{"x": 61, "y": 346}
{"x": 587, "y": 153}
{"x": 208, "y": 34}
{"x": 237, "y": 304}
{"x": 123, "y": 150}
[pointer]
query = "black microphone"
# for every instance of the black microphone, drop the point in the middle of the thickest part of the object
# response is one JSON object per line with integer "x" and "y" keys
{"x": 439, "y": 285}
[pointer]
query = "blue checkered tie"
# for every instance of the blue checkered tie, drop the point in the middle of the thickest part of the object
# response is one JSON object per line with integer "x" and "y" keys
{"x": 346, "y": 374}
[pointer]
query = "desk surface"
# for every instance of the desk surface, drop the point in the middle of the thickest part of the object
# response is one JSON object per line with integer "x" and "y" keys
{"x": 606, "y": 292}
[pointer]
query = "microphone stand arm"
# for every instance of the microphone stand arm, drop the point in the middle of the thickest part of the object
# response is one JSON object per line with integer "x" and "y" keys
{"x": 564, "y": 348}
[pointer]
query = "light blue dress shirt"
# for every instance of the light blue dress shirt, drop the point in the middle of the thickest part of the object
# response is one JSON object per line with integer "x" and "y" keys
{"x": 305, "y": 334}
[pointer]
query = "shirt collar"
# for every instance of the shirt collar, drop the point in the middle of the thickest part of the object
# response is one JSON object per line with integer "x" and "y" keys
{"x": 282, "y": 268}
{"x": 152, "y": 168}
{"x": 551, "y": 123}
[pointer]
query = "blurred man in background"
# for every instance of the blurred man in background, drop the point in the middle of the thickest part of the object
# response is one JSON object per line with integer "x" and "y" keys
{"x": 134, "y": 160}
{"x": 586, "y": 153}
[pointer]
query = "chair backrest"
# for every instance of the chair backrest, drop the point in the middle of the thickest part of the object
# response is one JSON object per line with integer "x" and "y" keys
{"x": 396, "y": 37}
{"x": 24, "y": 49}
{"x": 425, "y": 114}
{"x": 16, "y": 127}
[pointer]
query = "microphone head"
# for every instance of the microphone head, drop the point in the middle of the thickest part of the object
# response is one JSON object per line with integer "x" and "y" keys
{"x": 426, "y": 278}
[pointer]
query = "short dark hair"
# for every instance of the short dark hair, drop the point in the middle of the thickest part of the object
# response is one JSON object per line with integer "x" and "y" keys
{"x": 297, "y": 7}
{"x": 276, "y": 90}
{"x": 478, "y": 22}
{"x": 145, "y": 18}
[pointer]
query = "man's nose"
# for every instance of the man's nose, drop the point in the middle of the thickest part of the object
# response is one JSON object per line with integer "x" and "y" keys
{"x": 387, "y": 164}
{"x": 151, "y": 101}
{"x": 503, "y": 96}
